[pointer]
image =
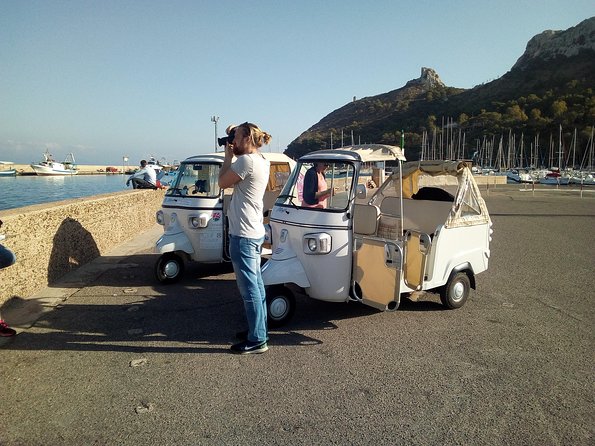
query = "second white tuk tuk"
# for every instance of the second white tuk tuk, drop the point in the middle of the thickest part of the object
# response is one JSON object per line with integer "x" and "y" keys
{"x": 425, "y": 228}
{"x": 194, "y": 210}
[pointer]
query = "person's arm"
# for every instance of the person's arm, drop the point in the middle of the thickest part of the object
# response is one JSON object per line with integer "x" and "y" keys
{"x": 227, "y": 177}
{"x": 323, "y": 193}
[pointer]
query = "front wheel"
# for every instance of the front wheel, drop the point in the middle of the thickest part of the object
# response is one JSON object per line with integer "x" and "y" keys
{"x": 280, "y": 305}
{"x": 169, "y": 268}
{"x": 456, "y": 291}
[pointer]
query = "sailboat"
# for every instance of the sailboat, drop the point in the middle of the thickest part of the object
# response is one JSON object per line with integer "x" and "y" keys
{"x": 555, "y": 175}
{"x": 585, "y": 175}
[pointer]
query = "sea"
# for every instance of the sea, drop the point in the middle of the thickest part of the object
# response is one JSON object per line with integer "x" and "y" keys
{"x": 26, "y": 190}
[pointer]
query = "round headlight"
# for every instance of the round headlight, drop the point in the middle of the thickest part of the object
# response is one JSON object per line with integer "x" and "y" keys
{"x": 195, "y": 222}
{"x": 160, "y": 218}
{"x": 312, "y": 244}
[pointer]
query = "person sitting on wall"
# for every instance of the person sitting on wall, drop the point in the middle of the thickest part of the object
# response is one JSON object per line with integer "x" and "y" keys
{"x": 315, "y": 191}
{"x": 144, "y": 178}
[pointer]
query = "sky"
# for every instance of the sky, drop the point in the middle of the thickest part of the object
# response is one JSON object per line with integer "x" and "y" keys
{"x": 107, "y": 79}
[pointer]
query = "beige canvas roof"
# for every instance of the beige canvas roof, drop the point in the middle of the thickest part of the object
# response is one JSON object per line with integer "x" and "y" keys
{"x": 376, "y": 152}
{"x": 435, "y": 167}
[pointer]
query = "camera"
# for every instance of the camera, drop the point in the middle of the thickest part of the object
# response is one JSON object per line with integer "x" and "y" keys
{"x": 227, "y": 139}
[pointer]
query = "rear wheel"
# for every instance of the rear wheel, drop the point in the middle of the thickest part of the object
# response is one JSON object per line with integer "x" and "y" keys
{"x": 169, "y": 268}
{"x": 456, "y": 291}
{"x": 280, "y": 305}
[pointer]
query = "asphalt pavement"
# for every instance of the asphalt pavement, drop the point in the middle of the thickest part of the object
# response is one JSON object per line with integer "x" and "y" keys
{"x": 110, "y": 356}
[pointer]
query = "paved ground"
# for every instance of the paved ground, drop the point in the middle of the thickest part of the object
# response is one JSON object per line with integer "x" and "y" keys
{"x": 127, "y": 361}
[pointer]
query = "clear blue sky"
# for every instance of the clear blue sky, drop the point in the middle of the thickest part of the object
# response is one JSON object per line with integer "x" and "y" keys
{"x": 109, "y": 78}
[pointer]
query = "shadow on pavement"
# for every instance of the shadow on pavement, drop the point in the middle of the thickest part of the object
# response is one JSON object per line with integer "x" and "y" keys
{"x": 125, "y": 309}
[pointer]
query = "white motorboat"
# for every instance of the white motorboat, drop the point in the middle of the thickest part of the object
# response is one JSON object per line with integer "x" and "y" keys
{"x": 51, "y": 167}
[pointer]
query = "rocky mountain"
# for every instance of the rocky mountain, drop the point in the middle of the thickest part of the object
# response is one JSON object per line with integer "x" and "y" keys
{"x": 550, "y": 85}
{"x": 549, "y": 45}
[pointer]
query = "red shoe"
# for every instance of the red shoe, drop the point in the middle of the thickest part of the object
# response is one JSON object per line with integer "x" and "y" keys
{"x": 5, "y": 330}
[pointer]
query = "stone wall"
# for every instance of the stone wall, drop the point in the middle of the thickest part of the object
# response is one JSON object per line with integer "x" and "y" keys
{"x": 53, "y": 239}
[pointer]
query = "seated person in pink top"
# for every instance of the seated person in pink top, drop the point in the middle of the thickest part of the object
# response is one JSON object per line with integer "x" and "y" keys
{"x": 316, "y": 190}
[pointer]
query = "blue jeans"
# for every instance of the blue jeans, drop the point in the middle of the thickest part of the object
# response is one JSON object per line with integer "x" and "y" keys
{"x": 245, "y": 258}
{"x": 7, "y": 257}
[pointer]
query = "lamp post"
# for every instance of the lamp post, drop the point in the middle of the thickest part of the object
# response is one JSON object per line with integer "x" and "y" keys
{"x": 124, "y": 161}
{"x": 214, "y": 119}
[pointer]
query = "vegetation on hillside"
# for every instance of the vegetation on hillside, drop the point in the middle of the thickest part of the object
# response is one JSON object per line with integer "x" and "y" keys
{"x": 534, "y": 100}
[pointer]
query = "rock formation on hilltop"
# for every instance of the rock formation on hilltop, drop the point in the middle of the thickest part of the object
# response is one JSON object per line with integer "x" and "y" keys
{"x": 429, "y": 79}
{"x": 550, "y": 44}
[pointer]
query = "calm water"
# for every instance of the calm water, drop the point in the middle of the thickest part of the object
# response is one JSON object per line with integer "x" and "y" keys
{"x": 26, "y": 190}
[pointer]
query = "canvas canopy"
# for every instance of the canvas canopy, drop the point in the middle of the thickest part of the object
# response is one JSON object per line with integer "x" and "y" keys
{"x": 414, "y": 169}
{"x": 376, "y": 152}
{"x": 468, "y": 207}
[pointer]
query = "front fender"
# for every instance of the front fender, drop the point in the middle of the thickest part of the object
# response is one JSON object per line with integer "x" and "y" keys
{"x": 276, "y": 272}
{"x": 174, "y": 242}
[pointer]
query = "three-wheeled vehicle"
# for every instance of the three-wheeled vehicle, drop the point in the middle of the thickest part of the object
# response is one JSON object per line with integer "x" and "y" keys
{"x": 412, "y": 235}
{"x": 194, "y": 209}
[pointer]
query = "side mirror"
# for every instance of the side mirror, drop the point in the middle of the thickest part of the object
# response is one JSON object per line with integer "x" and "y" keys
{"x": 361, "y": 191}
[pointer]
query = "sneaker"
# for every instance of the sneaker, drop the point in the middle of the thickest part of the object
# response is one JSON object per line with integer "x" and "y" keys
{"x": 247, "y": 347}
{"x": 243, "y": 335}
{"x": 5, "y": 330}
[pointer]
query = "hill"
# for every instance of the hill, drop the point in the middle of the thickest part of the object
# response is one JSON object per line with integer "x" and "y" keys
{"x": 550, "y": 85}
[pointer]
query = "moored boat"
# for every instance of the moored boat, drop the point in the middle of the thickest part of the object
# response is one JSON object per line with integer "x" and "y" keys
{"x": 51, "y": 167}
{"x": 584, "y": 178}
{"x": 6, "y": 170}
{"x": 555, "y": 177}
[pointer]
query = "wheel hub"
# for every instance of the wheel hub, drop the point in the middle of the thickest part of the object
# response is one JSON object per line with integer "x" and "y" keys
{"x": 278, "y": 307}
{"x": 458, "y": 291}
{"x": 171, "y": 269}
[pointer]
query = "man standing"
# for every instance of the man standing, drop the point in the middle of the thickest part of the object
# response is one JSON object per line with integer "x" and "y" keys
{"x": 248, "y": 176}
{"x": 145, "y": 178}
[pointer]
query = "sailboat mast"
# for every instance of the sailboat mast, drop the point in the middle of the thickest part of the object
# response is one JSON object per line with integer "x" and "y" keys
{"x": 560, "y": 149}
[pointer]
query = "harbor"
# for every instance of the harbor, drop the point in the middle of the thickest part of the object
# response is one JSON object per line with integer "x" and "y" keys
{"x": 108, "y": 354}
{"x": 83, "y": 169}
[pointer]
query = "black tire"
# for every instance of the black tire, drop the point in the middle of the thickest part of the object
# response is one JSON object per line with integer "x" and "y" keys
{"x": 280, "y": 306}
{"x": 456, "y": 291}
{"x": 169, "y": 268}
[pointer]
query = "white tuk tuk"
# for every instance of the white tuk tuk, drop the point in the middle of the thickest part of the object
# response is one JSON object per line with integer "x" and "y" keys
{"x": 413, "y": 235}
{"x": 194, "y": 210}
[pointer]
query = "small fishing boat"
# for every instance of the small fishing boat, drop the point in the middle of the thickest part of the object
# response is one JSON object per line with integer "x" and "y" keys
{"x": 6, "y": 169}
{"x": 50, "y": 167}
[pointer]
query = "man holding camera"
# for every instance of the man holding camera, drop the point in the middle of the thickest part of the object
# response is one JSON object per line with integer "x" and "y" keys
{"x": 248, "y": 176}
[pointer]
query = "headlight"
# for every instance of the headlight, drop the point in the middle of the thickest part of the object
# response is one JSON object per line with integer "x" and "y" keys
{"x": 160, "y": 218}
{"x": 317, "y": 243}
{"x": 199, "y": 222}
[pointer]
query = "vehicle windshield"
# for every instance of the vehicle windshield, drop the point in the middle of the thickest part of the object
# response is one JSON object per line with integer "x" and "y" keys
{"x": 310, "y": 184}
{"x": 196, "y": 180}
